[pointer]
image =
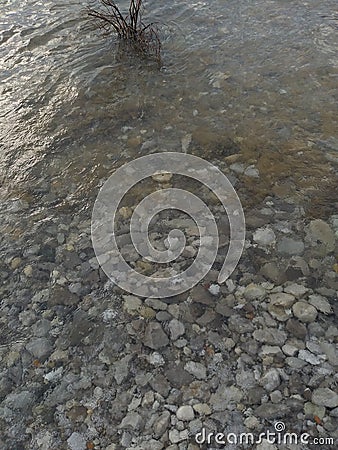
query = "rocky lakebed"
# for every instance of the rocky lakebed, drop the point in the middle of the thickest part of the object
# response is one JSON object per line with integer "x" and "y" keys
{"x": 85, "y": 365}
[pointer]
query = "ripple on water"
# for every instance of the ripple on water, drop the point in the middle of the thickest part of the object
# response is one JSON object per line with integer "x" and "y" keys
{"x": 258, "y": 73}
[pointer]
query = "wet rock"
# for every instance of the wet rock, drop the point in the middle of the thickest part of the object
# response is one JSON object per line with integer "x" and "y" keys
{"x": 21, "y": 401}
{"x": 132, "y": 304}
{"x": 40, "y": 348}
{"x": 304, "y": 312}
{"x": 296, "y": 328}
{"x": 254, "y": 292}
{"x": 160, "y": 384}
{"x": 289, "y": 246}
{"x": 185, "y": 413}
{"x": 264, "y": 237}
{"x": 196, "y": 369}
{"x": 320, "y": 235}
{"x": 203, "y": 409}
{"x": 132, "y": 421}
{"x": 311, "y": 410}
{"x": 201, "y": 295}
{"x": 154, "y": 336}
{"x": 177, "y": 376}
{"x": 76, "y": 441}
{"x": 271, "y": 271}
{"x": 270, "y": 380}
{"x": 270, "y": 336}
{"x": 280, "y": 306}
{"x": 297, "y": 290}
{"x": 176, "y": 436}
{"x": 320, "y": 303}
{"x": 176, "y": 329}
{"x": 226, "y": 397}
{"x": 272, "y": 411}
{"x": 325, "y": 397}
{"x": 309, "y": 357}
{"x": 162, "y": 424}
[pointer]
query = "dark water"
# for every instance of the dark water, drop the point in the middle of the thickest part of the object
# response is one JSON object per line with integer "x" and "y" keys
{"x": 258, "y": 78}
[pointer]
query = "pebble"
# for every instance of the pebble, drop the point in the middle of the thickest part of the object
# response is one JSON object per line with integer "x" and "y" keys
{"x": 270, "y": 380}
{"x": 320, "y": 234}
{"x": 16, "y": 262}
{"x": 320, "y": 303}
{"x": 154, "y": 336}
{"x": 40, "y": 348}
{"x": 254, "y": 292}
{"x": 196, "y": 369}
{"x": 176, "y": 329}
{"x": 297, "y": 290}
{"x": 76, "y": 441}
{"x": 289, "y": 246}
{"x": 185, "y": 413}
{"x": 264, "y": 237}
{"x": 325, "y": 397}
{"x": 304, "y": 312}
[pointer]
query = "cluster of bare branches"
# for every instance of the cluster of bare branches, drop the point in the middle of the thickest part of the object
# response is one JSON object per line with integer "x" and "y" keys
{"x": 129, "y": 28}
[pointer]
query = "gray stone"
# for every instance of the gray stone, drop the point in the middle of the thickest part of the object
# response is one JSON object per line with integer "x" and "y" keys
{"x": 264, "y": 237}
{"x": 270, "y": 380}
{"x": 40, "y": 348}
{"x": 176, "y": 436}
{"x": 160, "y": 384}
{"x": 280, "y": 305}
{"x": 297, "y": 290}
{"x": 21, "y": 401}
{"x": 320, "y": 303}
{"x": 295, "y": 363}
{"x": 320, "y": 234}
{"x": 131, "y": 304}
{"x": 310, "y": 358}
{"x": 296, "y": 328}
{"x": 41, "y": 328}
{"x": 226, "y": 397}
{"x": 185, "y": 413}
{"x": 311, "y": 410}
{"x": 304, "y": 312}
{"x": 240, "y": 324}
{"x": 177, "y": 376}
{"x": 273, "y": 272}
{"x": 270, "y": 336}
{"x": 76, "y": 441}
{"x": 276, "y": 396}
{"x": 272, "y": 411}
{"x": 162, "y": 424}
{"x": 196, "y": 369}
{"x": 325, "y": 397}
{"x": 154, "y": 336}
{"x": 132, "y": 421}
{"x": 121, "y": 368}
{"x": 254, "y": 292}
{"x": 176, "y": 329}
{"x": 289, "y": 246}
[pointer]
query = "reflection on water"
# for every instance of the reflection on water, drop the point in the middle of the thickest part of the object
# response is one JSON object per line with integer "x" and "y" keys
{"x": 254, "y": 78}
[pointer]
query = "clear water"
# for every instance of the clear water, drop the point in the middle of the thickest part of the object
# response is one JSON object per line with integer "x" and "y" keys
{"x": 257, "y": 77}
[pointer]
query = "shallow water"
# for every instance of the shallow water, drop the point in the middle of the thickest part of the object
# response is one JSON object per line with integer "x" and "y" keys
{"x": 254, "y": 78}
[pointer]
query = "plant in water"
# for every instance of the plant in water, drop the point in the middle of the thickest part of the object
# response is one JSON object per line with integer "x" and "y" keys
{"x": 129, "y": 27}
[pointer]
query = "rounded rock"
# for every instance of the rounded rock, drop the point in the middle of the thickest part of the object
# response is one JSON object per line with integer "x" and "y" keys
{"x": 304, "y": 312}
{"x": 185, "y": 413}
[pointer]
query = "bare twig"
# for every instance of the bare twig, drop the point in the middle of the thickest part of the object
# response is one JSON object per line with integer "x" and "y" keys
{"x": 143, "y": 38}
